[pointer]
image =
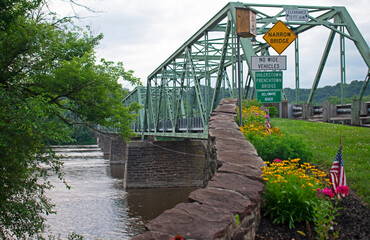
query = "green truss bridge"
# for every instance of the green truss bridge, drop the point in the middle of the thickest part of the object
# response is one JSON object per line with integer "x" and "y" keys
{"x": 181, "y": 93}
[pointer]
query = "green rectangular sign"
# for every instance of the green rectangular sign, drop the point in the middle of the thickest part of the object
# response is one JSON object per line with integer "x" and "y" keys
{"x": 269, "y": 80}
{"x": 269, "y": 96}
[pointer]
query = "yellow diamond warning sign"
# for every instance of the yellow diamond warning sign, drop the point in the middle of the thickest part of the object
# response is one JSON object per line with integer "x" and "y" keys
{"x": 279, "y": 37}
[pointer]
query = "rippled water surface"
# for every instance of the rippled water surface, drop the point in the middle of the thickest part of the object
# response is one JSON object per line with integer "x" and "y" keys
{"x": 97, "y": 206}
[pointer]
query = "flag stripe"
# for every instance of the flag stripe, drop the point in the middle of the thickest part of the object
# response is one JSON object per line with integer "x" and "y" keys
{"x": 337, "y": 174}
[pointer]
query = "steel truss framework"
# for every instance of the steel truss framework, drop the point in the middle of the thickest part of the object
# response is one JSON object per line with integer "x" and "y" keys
{"x": 184, "y": 89}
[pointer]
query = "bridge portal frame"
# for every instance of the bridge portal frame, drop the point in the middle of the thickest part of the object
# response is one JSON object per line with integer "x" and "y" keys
{"x": 181, "y": 93}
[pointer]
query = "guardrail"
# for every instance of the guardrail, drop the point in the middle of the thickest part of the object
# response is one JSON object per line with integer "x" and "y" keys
{"x": 193, "y": 124}
{"x": 356, "y": 113}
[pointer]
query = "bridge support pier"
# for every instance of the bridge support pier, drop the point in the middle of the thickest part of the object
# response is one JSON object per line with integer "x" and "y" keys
{"x": 144, "y": 164}
{"x": 117, "y": 156}
{"x": 165, "y": 163}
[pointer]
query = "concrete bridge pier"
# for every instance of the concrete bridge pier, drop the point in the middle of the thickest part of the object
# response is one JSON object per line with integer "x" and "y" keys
{"x": 117, "y": 156}
{"x": 150, "y": 163}
{"x": 104, "y": 142}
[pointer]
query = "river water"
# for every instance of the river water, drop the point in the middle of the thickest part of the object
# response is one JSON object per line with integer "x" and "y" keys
{"x": 97, "y": 206}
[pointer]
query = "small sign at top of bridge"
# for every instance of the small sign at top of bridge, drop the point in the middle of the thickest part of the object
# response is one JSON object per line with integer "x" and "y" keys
{"x": 296, "y": 15}
{"x": 279, "y": 37}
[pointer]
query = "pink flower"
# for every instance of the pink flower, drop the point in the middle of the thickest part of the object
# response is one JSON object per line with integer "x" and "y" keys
{"x": 342, "y": 190}
{"x": 277, "y": 160}
{"x": 328, "y": 192}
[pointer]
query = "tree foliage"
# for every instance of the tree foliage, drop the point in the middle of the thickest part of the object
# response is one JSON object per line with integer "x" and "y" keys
{"x": 49, "y": 81}
{"x": 330, "y": 93}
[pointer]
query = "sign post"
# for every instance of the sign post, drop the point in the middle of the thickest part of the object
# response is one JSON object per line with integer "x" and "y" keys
{"x": 246, "y": 26}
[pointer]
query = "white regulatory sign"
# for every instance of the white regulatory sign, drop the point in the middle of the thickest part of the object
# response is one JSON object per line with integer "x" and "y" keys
{"x": 297, "y": 15}
{"x": 268, "y": 62}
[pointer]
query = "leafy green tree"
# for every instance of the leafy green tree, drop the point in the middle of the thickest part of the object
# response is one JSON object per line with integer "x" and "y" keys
{"x": 48, "y": 68}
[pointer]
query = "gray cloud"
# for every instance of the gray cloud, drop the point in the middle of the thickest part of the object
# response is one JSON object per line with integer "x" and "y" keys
{"x": 142, "y": 34}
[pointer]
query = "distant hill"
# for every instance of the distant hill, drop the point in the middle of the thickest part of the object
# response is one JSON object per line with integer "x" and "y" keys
{"x": 323, "y": 94}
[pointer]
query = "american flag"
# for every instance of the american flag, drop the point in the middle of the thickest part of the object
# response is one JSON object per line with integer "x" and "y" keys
{"x": 337, "y": 174}
{"x": 268, "y": 124}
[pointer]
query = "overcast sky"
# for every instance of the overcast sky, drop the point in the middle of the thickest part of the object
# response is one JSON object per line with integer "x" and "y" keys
{"x": 144, "y": 33}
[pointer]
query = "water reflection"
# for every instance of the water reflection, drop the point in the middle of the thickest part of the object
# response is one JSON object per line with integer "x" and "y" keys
{"x": 149, "y": 203}
{"x": 97, "y": 206}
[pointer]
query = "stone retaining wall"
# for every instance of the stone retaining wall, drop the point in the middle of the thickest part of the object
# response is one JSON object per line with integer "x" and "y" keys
{"x": 234, "y": 188}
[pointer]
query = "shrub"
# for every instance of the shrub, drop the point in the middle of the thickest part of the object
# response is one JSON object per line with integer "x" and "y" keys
{"x": 256, "y": 121}
{"x": 290, "y": 192}
{"x": 273, "y": 112}
{"x": 251, "y": 102}
{"x": 280, "y": 146}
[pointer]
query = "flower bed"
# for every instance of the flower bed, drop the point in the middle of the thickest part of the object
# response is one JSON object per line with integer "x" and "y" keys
{"x": 296, "y": 191}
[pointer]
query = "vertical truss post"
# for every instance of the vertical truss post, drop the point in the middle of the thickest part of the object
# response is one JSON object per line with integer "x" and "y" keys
{"x": 140, "y": 101}
{"x": 227, "y": 82}
{"x": 147, "y": 106}
{"x": 364, "y": 85}
{"x": 247, "y": 85}
{"x": 296, "y": 70}
{"x": 239, "y": 82}
{"x": 208, "y": 89}
{"x": 160, "y": 107}
{"x": 342, "y": 67}
{"x": 198, "y": 92}
{"x": 221, "y": 65}
{"x": 234, "y": 44}
{"x": 174, "y": 99}
{"x": 179, "y": 106}
{"x": 188, "y": 108}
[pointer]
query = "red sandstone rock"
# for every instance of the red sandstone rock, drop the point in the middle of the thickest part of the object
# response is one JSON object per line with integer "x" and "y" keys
{"x": 236, "y": 203}
{"x": 248, "y": 171}
{"x": 241, "y": 158}
{"x": 223, "y": 117}
{"x": 153, "y": 236}
{"x": 247, "y": 187}
{"x": 192, "y": 221}
{"x": 231, "y": 133}
{"x": 226, "y": 108}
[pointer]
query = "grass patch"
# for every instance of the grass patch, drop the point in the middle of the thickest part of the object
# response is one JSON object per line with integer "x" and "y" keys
{"x": 323, "y": 139}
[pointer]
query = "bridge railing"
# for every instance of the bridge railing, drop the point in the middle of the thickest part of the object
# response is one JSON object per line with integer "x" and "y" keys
{"x": 356, "y": 113}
